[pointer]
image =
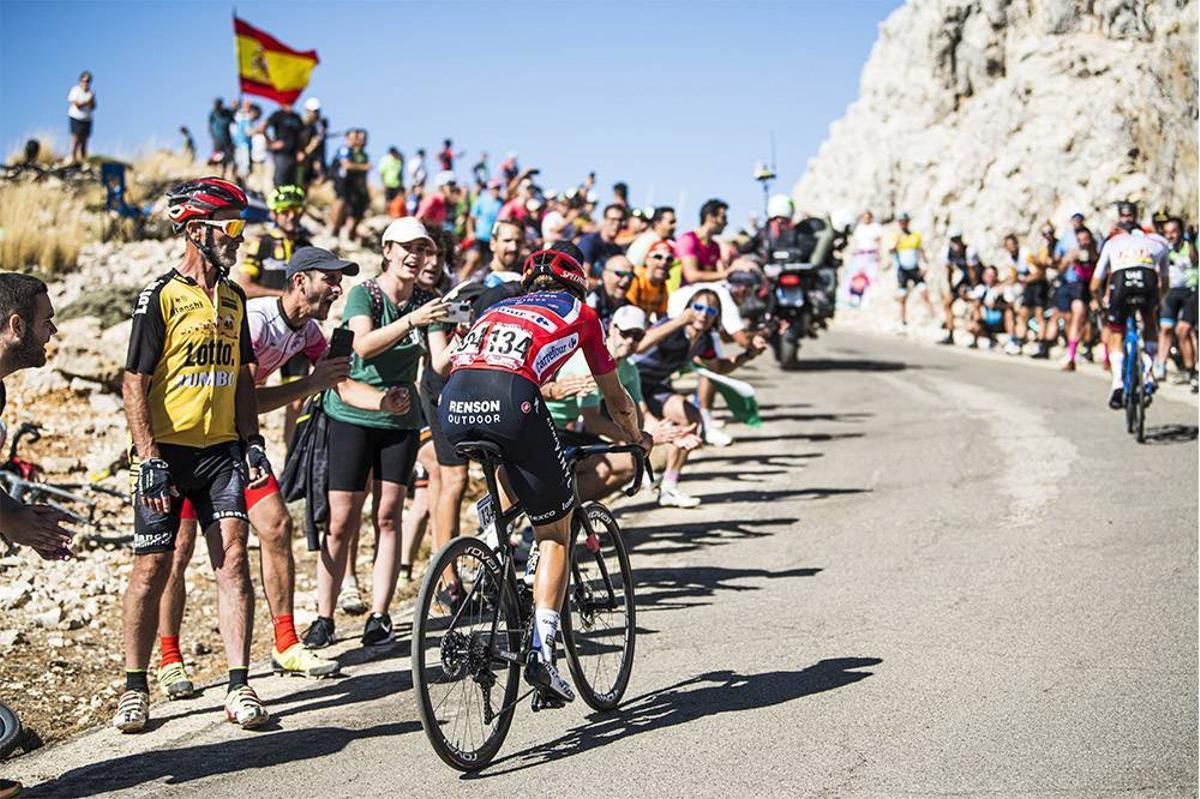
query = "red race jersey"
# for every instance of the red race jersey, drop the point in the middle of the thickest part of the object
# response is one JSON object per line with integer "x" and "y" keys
{"x": 532, "y": 336}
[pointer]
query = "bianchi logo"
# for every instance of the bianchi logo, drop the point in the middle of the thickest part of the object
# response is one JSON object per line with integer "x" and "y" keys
{"x": 553, "y": 352}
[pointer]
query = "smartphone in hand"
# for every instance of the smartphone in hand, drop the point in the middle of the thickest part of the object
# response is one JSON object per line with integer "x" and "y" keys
{"x": 341, "y": 344}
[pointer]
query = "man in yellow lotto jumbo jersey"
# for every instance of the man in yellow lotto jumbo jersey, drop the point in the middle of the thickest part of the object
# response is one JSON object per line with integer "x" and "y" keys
{"x": 193, "y": 420}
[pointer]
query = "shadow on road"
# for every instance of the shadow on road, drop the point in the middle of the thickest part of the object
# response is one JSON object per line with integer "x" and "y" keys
{"x": 664, "y": 588}
{"x": 674, "y": 539}
{"x": 815, "y": 437}
{"x": 1171, "y": 434}
{"x": 699, "y": 697}
{"x": 725, "y": 497}
{"x": 850, "y": 365}
{"x": 816, "y": 417}
{"x": 762, "y": 460}
{"x": 184, "y": 764}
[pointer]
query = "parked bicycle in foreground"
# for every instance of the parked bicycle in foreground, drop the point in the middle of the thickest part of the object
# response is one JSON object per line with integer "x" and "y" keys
{"x": 472, "y": 626}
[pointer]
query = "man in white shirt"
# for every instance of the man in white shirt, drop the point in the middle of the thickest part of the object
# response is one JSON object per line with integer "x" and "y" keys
{"x": 81, "y": 103}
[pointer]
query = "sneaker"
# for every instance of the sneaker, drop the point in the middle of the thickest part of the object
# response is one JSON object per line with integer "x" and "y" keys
{"x": 1116, "y": 400}
{"x": 299, "y": 660}
{"x": 546, "y": 679}
{"x": 1012, "y": 348}
{"x": 378, "y": 630}
{"x": 133, "y": 711}
{"x": 1069, "y": 366}
{"x": 1043, "y": 353}
{"x": 175, "y": 682}
{"x": 717, "y": 437}
{"x": 974, "y": 345}
{"x": 1160, "y": 372}
{"x": 319, "y": 634}
{"x": 947, "y": 341}
{"x": 350, "y": 600}
{"x": 245, "y": 709}
{"x": 672, "y": 497}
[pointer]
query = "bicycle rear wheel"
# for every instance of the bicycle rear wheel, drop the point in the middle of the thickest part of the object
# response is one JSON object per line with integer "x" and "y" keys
{"x": 598, "y": 623}
{"x": 466, "y": 679}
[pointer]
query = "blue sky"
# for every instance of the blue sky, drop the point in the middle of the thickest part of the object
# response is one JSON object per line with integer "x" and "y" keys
{"x": 677, "y": 99}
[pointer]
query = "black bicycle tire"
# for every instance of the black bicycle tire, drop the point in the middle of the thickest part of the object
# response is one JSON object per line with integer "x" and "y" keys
{"x": 1131, "y": 392}
{"x": 486, "y": 753}
{"x": 598, "y": 513}
{"x": 1140, "y": 412}
{"x": 10, "y": 731}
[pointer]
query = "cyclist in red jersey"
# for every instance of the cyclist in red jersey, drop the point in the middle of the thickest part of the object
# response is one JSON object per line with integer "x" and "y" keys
{"x": 494, "y": 394}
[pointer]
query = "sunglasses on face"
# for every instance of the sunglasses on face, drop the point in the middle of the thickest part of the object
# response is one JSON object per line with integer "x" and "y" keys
{"x": 708, "y": 310}
{"x": 230, "y": 227}
{"x": 634, "y": 335}
{"x": 658, "y": 256}
{"x": 621, "y": 273}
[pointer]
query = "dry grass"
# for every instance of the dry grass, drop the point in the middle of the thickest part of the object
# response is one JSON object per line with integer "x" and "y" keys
{"x": 44, "y": 227}
{"x": 48, "y": 155}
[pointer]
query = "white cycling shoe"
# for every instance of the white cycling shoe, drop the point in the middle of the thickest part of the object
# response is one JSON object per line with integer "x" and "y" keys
{"x": 553, "y": 689}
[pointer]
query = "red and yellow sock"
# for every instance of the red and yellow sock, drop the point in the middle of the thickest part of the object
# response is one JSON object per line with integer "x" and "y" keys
{"x": 285, "y": 632}
{"x": 170, "y": 650}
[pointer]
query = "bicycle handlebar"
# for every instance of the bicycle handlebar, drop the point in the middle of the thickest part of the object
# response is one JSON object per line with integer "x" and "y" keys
{"x": 641, "y": 464}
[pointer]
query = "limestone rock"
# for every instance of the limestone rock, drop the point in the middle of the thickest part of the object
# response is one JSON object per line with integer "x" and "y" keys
{"x": 994, "y": 115}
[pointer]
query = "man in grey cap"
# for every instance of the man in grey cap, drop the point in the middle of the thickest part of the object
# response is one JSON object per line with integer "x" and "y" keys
{"x": 280, "y": 328}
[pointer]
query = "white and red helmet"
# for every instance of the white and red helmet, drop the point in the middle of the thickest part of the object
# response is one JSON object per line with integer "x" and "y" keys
{"x": 562, "y": 261}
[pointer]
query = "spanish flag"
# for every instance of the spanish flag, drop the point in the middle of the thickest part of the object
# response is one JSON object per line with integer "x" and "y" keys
{"x": 268, "y": 67}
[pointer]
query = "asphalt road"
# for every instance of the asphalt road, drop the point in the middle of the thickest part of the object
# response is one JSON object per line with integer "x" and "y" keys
{"x": 928, "y": 573}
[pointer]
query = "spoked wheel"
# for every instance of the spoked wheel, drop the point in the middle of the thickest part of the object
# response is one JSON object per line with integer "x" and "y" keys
{"x": 598, "y": 622}
{"x": 1132, "y": 388}
{"x": 10, "y": 730}
{"x": 466, "y": 677}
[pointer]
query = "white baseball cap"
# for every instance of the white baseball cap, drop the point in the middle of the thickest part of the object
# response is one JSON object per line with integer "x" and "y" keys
{"x": 406, "y": 229}
{"x": 629, "y": 317}
{"x": 312, "y": 104}
{"x": 444, "y": 178}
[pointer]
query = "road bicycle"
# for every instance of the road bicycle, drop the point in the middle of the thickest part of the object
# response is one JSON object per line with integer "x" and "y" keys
{"x": 472, "y": 629}
{"x": 1133, "y": 378}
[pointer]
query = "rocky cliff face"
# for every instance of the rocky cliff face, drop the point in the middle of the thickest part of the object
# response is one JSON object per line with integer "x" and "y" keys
{"x": 992, "y": 115}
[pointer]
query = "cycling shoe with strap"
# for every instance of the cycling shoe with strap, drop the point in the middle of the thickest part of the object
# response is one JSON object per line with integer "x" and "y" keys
{"x": 553, "y": 690}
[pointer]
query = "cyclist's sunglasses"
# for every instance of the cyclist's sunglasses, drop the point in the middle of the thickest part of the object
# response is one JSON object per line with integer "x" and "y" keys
{"x": 706, "y": 309}
{"x": 230, "y": 227}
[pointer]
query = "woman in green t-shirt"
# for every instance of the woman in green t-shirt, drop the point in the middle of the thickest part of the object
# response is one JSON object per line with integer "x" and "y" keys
{"x": 386, "y": 315}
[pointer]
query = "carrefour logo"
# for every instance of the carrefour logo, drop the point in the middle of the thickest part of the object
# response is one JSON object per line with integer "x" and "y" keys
{"x": 553, "y": 352}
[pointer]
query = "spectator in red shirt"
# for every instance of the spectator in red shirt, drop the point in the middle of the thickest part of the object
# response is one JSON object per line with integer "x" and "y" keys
{"x": 435, "y": 207}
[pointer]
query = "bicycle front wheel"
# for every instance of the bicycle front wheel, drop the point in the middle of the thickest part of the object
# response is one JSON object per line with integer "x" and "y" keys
{"x": 598, "y": 623}
{"x": 466, "y": 640}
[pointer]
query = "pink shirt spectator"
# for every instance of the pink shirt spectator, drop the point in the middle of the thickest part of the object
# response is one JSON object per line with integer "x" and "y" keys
{"x": 707, "y": 255}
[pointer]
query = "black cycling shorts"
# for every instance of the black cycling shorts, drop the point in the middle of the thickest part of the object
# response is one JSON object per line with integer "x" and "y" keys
{"x": 446, "y": 456}
{"x": 1178, "y": 306}
{"x": 356, "y": 450}
{"x": 1136, "y": 287}
{"x": 907, "y": 277}
{"x": 1070, "y": 292}
{"x": 294, "y": 367}
{"x": 1036, "y": 294}
{"x": 506, "y": 409}
{"x": 213, "y": 478}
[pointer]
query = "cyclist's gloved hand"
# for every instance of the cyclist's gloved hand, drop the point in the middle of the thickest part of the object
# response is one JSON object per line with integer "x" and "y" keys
{"x": 154, "y": 484}
{"x": 257, "y": 462}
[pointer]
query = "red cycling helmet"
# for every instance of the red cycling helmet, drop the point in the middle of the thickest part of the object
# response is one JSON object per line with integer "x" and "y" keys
{"x": 201, "y": 198}
{"x": 563, "y": 261}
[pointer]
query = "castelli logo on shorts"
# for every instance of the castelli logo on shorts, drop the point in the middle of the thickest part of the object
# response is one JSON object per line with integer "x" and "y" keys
{"x": 526, "y": 407}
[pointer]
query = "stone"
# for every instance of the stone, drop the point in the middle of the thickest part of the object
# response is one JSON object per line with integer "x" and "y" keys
{"x": 11, "y": 638}
{"x": 48, "y": 619}
{"x": 995, "y": 115}
{"x": 15, "y": 594}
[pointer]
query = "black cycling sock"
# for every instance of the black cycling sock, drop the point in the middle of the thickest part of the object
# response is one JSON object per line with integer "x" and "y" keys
{"x": 239, "y": 677}
{"x": 136, "y": 681}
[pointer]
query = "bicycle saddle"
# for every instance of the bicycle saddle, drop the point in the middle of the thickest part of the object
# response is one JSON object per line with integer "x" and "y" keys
{"x": 479, "y": 451}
